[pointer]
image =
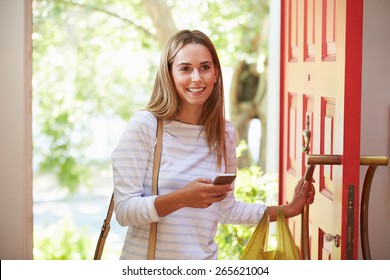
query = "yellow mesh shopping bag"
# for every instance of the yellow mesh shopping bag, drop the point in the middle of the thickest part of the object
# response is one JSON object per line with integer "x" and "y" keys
{"x": 257, "y": 247}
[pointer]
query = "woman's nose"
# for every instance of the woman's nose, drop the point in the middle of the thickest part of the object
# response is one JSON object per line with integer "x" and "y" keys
{"x": 195, "y": 76}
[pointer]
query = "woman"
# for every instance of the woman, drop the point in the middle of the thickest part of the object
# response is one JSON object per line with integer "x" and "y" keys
{"x": 198, "y": 143}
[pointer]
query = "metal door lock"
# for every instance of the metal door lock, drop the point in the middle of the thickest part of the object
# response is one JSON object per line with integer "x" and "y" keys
{"x": 336, "y": 238}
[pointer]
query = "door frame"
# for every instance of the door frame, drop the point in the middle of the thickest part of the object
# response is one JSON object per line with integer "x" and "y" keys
{"x": 16, "y": 130}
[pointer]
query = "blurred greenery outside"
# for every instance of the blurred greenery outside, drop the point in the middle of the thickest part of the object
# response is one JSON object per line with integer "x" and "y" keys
{"x": 94, "y": 63}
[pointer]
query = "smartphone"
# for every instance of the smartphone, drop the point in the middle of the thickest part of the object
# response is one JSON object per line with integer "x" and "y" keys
{"x": 224, "y": 179}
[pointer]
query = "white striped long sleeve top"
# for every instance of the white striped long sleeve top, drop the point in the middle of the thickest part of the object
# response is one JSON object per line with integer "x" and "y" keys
{"x": 189, "y": 232}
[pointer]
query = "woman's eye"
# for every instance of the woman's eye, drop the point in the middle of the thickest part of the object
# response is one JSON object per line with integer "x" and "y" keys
{"x": 185, "y": 69}
{"x": 205, "y": 67}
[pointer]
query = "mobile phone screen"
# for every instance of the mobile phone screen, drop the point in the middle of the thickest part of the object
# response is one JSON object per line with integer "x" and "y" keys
{"x": 224, "y": 179}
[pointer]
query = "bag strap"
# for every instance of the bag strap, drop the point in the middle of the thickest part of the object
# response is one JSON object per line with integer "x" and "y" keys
{"x": 104, "y": 231}
{"x": 156, "y": 169}
{"x": 153, "y": 227}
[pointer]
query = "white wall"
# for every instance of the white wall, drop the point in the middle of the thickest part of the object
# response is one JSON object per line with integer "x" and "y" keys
{"x": 15, "y": 130}
{"x": 376, "y": 119}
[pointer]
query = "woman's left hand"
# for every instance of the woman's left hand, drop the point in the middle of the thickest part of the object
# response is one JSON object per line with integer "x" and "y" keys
{"x": 303, "y": 194}
{"x": 306, "y": 190}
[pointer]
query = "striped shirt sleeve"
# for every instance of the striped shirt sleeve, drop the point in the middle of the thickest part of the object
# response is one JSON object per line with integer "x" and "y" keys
{"x": 133, "y": 203}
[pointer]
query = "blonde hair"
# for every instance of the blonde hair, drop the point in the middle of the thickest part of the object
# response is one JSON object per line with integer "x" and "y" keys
{"x": 165, "y": 102}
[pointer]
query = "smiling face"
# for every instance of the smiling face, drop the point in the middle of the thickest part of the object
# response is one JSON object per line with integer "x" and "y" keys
{"x": 194, "y": 75}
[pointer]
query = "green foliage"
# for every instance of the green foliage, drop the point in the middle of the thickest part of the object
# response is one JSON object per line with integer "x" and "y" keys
{"x": 252, "y": 186}
{"x": 62, "y": 241}
{"x": 236, "y": 28}
{"x": 81, "y": 72}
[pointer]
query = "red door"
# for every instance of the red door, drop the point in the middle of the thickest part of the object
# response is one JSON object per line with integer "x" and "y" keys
{"x": 321, "y": 61}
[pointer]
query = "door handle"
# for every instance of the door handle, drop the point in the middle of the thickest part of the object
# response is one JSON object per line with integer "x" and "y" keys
{"x": 324, "y": 159}
{"x": 305, "y": 248}
{"x": 311, "y": 162}
{"x": 316, "y": 159}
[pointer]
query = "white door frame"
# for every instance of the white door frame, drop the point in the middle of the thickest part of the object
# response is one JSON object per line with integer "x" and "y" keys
{"x": 16, "y": 215}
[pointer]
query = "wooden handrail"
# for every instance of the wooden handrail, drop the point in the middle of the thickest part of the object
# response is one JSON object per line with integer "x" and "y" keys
{"x": 373, "y": 162}
{"x": 311, "y": 162}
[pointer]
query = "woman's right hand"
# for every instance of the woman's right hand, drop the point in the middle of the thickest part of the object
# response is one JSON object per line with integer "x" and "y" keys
{"x": 200, "y": 193}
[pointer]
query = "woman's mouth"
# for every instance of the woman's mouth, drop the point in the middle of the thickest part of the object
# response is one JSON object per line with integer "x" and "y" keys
{"x": 196, "y": 90}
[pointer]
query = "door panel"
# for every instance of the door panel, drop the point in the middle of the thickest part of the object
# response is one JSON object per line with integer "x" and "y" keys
{"x": 329, "y": 48}
{"x": 326, "y": 184}
{"x": 320, "y": 92}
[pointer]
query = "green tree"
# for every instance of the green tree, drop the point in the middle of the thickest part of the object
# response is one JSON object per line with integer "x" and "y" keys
{"x": 87, "y": 63}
